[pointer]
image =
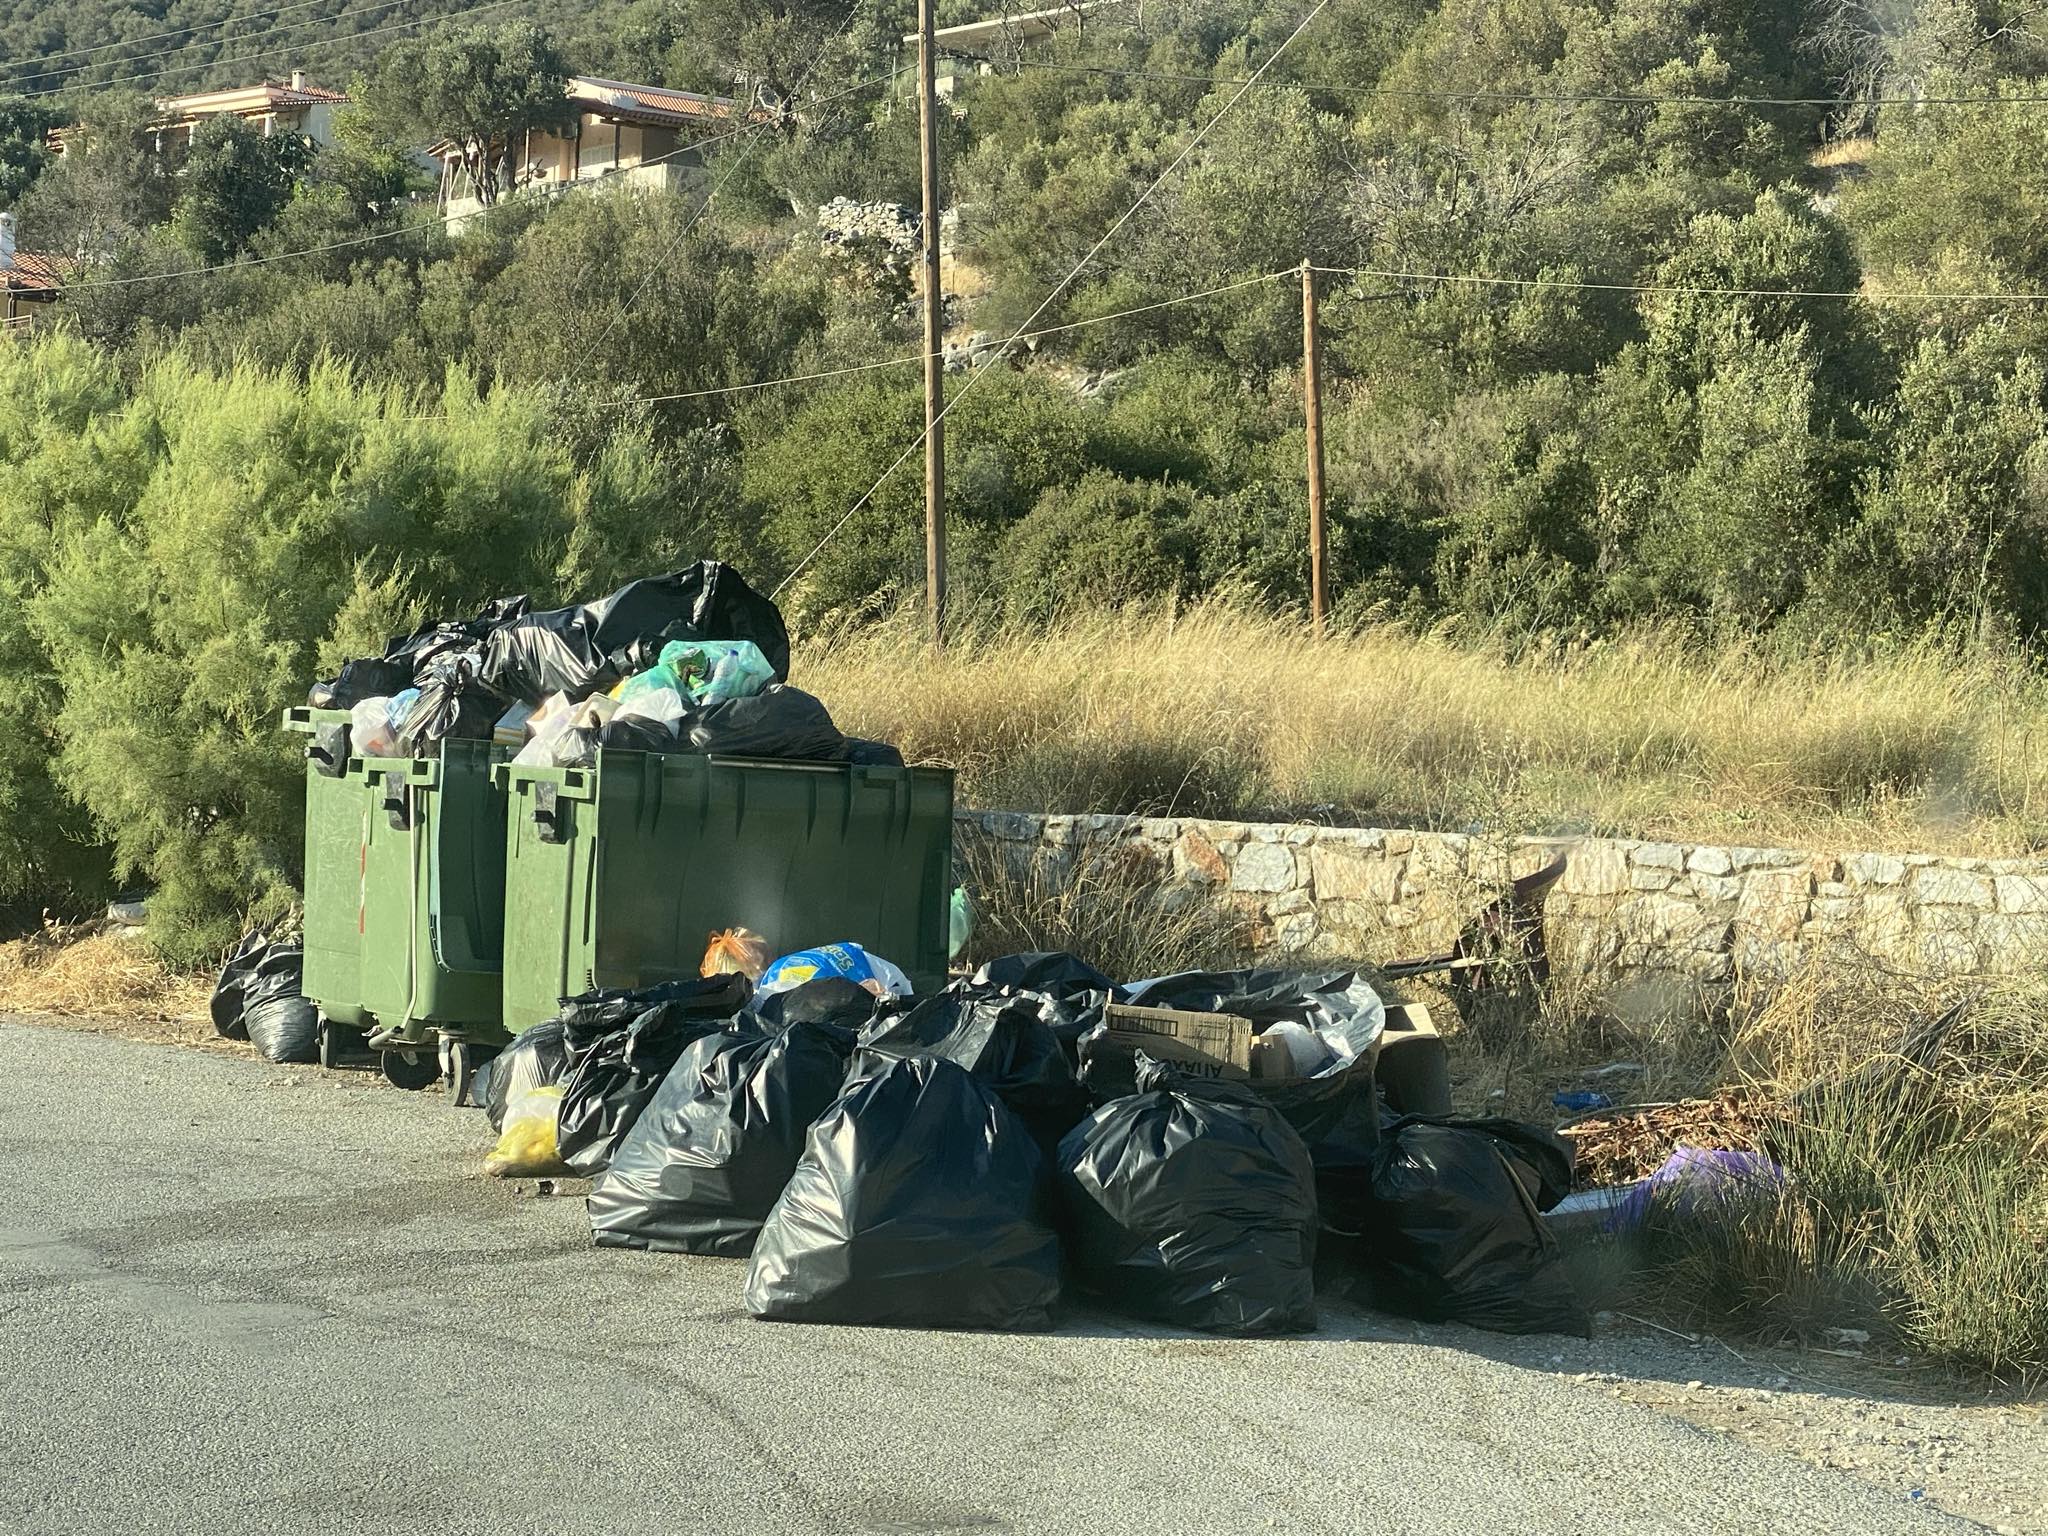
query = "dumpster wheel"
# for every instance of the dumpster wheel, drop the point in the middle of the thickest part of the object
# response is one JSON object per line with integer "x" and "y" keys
{"x": 411, "y": 1069}
{"x": 332, "y": 1043}
{"x": 459, "y": 1061}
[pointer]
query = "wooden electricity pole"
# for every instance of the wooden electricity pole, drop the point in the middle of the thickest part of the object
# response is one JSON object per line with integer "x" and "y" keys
{"x": 934, "y": 363}
{"x": 1312, "y": 410}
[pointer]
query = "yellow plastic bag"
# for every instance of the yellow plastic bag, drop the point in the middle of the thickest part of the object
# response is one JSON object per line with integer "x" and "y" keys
{"x": 526, "y": 1146}
{"x": 738, "y": 950}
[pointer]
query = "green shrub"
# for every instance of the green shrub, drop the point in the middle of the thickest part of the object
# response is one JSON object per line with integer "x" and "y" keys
{"x": 261, "y": 530}
{"x": 65, "y": 457}
{"x": 1100, "y": 543}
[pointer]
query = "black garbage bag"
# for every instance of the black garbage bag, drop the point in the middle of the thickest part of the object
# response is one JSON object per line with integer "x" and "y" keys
{"x": 613, "y": 1075}
{"x": 863, "y": 753}
{"x": 1450, "y": 1232}
{"x": 588, "y": 1018}
{"x": 833, "y": 1000}
{"x": 258, "y": 998}
{"x": 702, "y": 1166}
{"x": 1051, "y": 971}
{"x": 1074, "y": 992}
{"x": 286, "y": 1026}
{"x": 1540, "y": 1159}
{"x": 407, "y": 657}
{"x": 921, "y": 1202}
{"x": 998, "y": 1037}
{"x": 454, "y": 704}
{"x": 230, "y": 986}
{"x": 776, "y": 722}
{"x": 1193, "y": 1203}
{"x": 585, "y": 648}
{"x": 1340, "y": 1007}
{"x": 368, "y": 678}
{"x": 638, "y": 733}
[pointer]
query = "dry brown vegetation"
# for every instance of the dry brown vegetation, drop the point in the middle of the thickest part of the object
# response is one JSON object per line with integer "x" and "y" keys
{"x": 1217, "y": 712}
{"x": 1914, "y": 1131}
{"x": 105, "y": 979}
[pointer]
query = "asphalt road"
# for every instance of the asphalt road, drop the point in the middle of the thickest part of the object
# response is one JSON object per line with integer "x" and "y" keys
{"x": 240, "y": 1298}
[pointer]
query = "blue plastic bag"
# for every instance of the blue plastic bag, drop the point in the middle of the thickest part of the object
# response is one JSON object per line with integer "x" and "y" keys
{"x": 847, "y": 961}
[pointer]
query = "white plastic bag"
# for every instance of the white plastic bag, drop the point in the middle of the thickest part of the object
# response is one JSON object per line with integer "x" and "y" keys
{"x": 370, "y": 733}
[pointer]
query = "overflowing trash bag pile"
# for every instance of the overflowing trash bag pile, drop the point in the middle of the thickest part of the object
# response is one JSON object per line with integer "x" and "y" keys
{"x": 694, "y": 661}
{"x": 258, "y": 999}
{"x": 949, "y": 1160}
{"x": 619, "y": 1049}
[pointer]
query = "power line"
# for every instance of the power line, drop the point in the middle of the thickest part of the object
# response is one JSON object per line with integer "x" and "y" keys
{"x": 283, "y": 48}
{"x": 151, "y": 37}
{"x": 1615, "y": 98}
{"x": 1393, "y": 275}
{"x": 1058, "y": 288}
{"x": 191, "y": 40}
{"x": 912, "y": 357}
{"x": 424, "y": 227}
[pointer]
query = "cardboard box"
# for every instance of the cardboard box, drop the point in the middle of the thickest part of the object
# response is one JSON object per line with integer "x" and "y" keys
{"x": 1414, "y": 1069}
{"x": 1205, "y": 1044}
{"x": 1271, "y": 1058}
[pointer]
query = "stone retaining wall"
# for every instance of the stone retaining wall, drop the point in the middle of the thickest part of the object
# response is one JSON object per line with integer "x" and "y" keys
{"x": 1624, "y": 907}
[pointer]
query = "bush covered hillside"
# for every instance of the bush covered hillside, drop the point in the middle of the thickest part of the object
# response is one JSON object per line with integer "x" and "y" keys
{"x": 1717, "y": 316}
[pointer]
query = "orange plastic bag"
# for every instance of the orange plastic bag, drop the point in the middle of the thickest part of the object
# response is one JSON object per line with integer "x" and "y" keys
{"x": 736, "y": 949}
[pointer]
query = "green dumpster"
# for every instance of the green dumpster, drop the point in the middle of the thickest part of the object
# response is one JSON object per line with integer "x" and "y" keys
{"x": 616, "y": 875}
{"x": 405, "y": 898}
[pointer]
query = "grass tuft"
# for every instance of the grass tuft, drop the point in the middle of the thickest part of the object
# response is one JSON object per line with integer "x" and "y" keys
{"x": 1916, "y": 1207}
{"x": 57, "y": 971}
{"x": 1105, "y": 903}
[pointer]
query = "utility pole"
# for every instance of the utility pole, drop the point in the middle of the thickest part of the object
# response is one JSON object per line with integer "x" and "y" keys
{"x": 934, "y": 369}
{"x": 1312, "y": 410}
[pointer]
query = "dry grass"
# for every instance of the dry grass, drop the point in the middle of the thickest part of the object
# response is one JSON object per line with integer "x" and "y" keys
{"x": 1854, "y": 151}
{"x": 1916, "y": 1123}
{"x": 1223, "y": 713}
{"x": 1104, "y": 903}
{"x": 94, "y": 977}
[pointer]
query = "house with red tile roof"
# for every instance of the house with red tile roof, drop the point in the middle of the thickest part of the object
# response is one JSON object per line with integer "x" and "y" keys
{"x": 275, "y": 106}
{"x": 647, "y": 135}
{"x": 289, "y": 106}
{"x": 30, "y": 281}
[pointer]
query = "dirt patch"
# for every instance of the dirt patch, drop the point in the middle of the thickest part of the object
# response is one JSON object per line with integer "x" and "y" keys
{"x": 1982, "y": 1461}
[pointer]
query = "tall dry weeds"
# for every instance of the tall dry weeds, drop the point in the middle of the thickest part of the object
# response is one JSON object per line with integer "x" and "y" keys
{"x": 1102, "y": 901}
{"x": 1916, "y": 1198}
{"x": 1218, "y": 711}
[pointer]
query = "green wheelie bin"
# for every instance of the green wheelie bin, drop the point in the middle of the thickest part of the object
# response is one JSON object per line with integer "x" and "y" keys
{"x": 617, "y": 875}
{"x": 405, "y": 902}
